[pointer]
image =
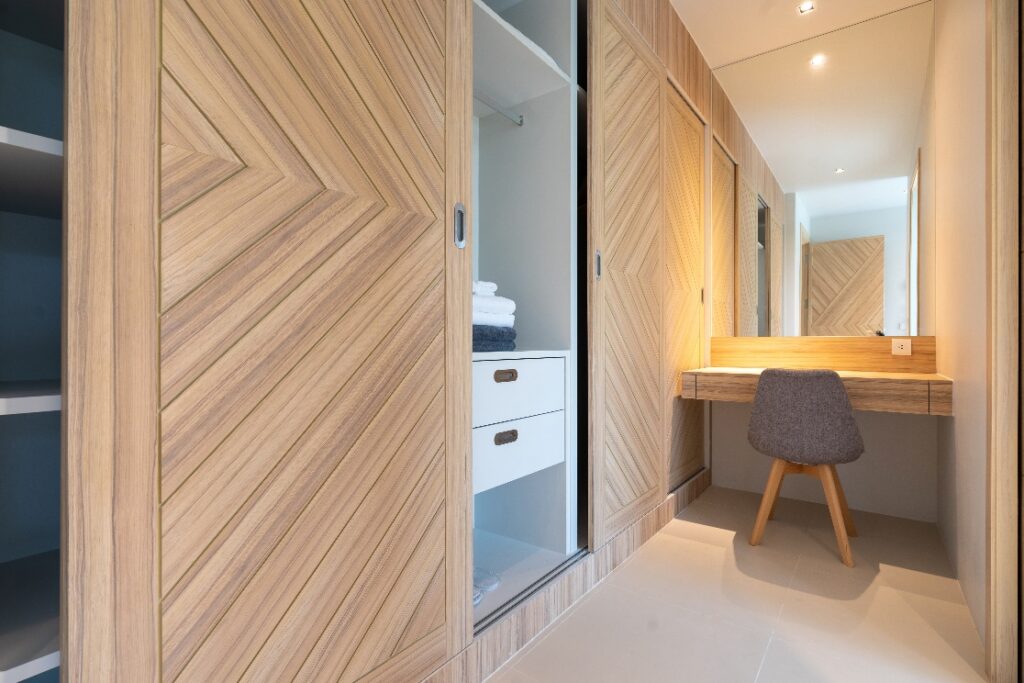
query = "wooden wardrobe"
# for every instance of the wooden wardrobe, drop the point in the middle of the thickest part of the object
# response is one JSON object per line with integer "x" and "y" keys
{"x": 267, "y": 326}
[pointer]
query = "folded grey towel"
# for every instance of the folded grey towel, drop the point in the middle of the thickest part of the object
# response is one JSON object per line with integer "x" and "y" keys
{"x": 480, "y": 346}
{"x": 492, "y": 333}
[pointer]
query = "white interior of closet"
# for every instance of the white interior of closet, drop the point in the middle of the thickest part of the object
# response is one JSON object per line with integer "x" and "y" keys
{"x": 525, "y": 240}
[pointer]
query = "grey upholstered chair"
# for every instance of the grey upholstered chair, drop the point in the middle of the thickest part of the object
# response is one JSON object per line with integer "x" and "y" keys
{"x": 803, "y": 419}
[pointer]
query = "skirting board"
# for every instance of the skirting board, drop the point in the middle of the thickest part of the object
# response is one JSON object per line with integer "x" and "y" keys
{"x": 496, "y": 645}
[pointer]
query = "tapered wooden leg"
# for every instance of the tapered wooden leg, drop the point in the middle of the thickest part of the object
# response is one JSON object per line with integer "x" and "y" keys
{"x": 851, "y": 528}
{"x": 782, "y": 478}
{"x": 835, "y": 508}
{"x": 771, "y": 494}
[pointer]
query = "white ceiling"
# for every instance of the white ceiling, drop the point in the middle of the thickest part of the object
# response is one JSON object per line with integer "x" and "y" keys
{"x": 867, "y": 195}
{"x": 729, "y": 30}
{"x": 859, "y": 112}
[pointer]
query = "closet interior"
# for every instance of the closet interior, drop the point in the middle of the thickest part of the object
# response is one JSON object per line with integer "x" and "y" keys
{"x": 529, "y": 412}
{"x": 31, "y": 176}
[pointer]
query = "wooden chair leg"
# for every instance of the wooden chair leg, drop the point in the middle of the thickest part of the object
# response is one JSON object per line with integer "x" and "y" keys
{"x": 782, "y": 478}
{"x": 835, "y": 508}
{"x": 771, "y": 494}
{"x": 851, "y": 528}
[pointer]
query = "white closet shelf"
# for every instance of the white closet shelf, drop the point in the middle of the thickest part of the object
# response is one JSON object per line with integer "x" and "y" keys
{"x": 508, "y": 67}
{"x": 31, "y": 173}
{"x": 30, "y": 617}
{"x": 18, "y": 398}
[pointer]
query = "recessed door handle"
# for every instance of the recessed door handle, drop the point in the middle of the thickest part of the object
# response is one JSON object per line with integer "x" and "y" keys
{"x": 502, "y": 438}
{"x": 502, "y": 376}
{"x": 459, "y": 226}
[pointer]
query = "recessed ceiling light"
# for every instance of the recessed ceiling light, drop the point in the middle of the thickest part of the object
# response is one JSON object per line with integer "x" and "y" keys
{"x": 840, "y": 171}
{"x": 805, "y": 7}
{"x": 818, "y": 61}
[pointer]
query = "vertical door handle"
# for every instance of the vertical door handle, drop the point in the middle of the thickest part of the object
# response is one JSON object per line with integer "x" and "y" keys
{"x": 597, "y": 264}
{"x": 459, "y": 226}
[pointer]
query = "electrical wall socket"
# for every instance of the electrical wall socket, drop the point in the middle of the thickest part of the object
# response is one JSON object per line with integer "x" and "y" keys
{"x": 901, "y": 347}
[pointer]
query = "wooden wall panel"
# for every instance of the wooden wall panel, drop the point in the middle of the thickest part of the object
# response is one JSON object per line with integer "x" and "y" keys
{"x": 110, "y": 537}
{"x": 683, "y": 60}
{"x": 684, "y": 268}
{"x": 723, "y": 243}
{"x": 775, "y": 255}
{"x": 867, "y": 354}
{"x": 645, "y": 16}
{"x": 308, "y": 479}
{"x": 846, "y": 287}
{"x": 627, "y": 106}
{"x": 746, "y": 259}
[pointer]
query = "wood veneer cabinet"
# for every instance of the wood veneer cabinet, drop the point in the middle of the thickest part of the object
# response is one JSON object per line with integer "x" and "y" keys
{"x": 267, "y": 435}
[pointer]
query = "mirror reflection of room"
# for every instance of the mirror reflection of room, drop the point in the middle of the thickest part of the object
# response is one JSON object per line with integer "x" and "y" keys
{"x": 836, "y": 239}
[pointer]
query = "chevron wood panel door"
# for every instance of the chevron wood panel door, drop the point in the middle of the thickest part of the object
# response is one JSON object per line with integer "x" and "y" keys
{"x": 846, "y": 287}
{"x": 627, "y": 467}
{"x": 683, "y": 428}
{"x": 308, "y": 151}
{"x": 723, "y": 244}
{"x": 746, "y": 260}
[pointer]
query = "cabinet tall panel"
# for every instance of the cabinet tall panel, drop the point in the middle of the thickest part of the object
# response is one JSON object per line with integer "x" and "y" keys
{"x": 628, "y": 468}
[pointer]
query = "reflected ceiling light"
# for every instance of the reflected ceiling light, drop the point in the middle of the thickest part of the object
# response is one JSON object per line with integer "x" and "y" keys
{"x": 840, "y": 171}
{"x": 818, "y": 61}
{"x": 805, "y": 7}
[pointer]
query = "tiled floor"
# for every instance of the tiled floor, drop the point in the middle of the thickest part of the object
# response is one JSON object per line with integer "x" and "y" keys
{"x": 697, "y": 603}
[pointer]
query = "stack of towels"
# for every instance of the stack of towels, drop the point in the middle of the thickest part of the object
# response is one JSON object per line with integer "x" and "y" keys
{"x": 493, "y": 319}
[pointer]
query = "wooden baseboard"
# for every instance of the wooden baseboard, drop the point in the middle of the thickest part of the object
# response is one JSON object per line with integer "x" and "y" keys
{"x": 503, "y": 639}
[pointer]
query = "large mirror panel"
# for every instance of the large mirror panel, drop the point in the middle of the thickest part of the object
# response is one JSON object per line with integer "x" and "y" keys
{"x": 844, "y": 122}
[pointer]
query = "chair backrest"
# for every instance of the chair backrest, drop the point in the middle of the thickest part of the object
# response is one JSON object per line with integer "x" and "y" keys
{"x": 804, "y": 416}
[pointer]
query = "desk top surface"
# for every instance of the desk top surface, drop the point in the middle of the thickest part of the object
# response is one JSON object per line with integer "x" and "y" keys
{"x": 852, "y": 374}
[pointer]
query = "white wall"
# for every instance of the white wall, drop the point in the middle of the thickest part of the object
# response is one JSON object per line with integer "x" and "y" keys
{"x": 896, "y": 476}
{"x": 796, "y": 215}
{"x": 961, "y": 312}
{"x": 926, "y": 215}
{"x": 892, "y": 223}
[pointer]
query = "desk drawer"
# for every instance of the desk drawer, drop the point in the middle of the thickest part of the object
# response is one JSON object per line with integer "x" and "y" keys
{"x": 514, "y": 389}
{"x": 510, "y": 450}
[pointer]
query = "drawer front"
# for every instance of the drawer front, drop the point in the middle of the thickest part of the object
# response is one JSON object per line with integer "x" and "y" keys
{"x": 510, "y": 390}
{"x": 510, "y": 450}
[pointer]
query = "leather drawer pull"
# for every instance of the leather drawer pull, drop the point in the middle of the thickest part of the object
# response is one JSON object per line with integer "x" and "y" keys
{"x": 502, "y": 438}
{"x": 501, "y": 376}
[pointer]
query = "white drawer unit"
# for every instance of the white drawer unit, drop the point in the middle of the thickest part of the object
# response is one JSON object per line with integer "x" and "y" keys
{"x": 512, "y": 389}
{"x": 510, "y": 450}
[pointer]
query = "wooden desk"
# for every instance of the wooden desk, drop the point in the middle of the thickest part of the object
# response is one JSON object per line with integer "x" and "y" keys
{"x": 888, "y": 392}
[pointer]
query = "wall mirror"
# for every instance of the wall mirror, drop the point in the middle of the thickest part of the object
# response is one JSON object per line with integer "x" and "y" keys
{"x": 841, "y": 119}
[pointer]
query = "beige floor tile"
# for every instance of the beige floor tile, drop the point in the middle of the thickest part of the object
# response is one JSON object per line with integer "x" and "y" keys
{"x": 618, "y": 636}
{"x": 698, "y": 603}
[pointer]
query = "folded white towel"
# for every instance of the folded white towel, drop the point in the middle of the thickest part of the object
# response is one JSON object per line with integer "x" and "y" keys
{"x": 481, "y": 288}
{"x": 494, "y": 319}
{"x": 493, "y": 304}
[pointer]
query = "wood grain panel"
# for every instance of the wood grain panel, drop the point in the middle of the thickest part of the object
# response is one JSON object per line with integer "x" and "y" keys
{"x": 723, "y": 244}
{"x": 110, "y": 628}
{"x": 867, "y": 354}
{"x": 684, "y": 282}
{"x": 628, "y": 472}
{"x": 305, "y": 353}
{"x": 846, "y": 287}
{"x": 940, "y": 398}
{"x": 683, "y": 59}
{"x": 746, "y": 260}
{"x": 880, "y": 392}
{"x": 645, "y": 16}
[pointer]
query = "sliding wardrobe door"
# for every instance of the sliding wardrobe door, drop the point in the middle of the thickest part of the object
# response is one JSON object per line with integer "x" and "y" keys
{"x": 746, "y": 259}
{"x": 626, "y": 223}
{"x": 684, "y": 285}
{"x": 313, "y": 350}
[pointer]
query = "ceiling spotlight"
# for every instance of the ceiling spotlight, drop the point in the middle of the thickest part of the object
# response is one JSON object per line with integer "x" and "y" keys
{"x": 840, "y": 171}
{"x": 818, "y": 61}
{"x": 805, "y": 7}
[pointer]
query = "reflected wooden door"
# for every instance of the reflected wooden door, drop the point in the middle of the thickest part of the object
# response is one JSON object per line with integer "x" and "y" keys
{"x": 846, "y": 287}
{"x": 626, "y": 164}
{"x": 309, "y": 153}
{"x": 723, "y": 243}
